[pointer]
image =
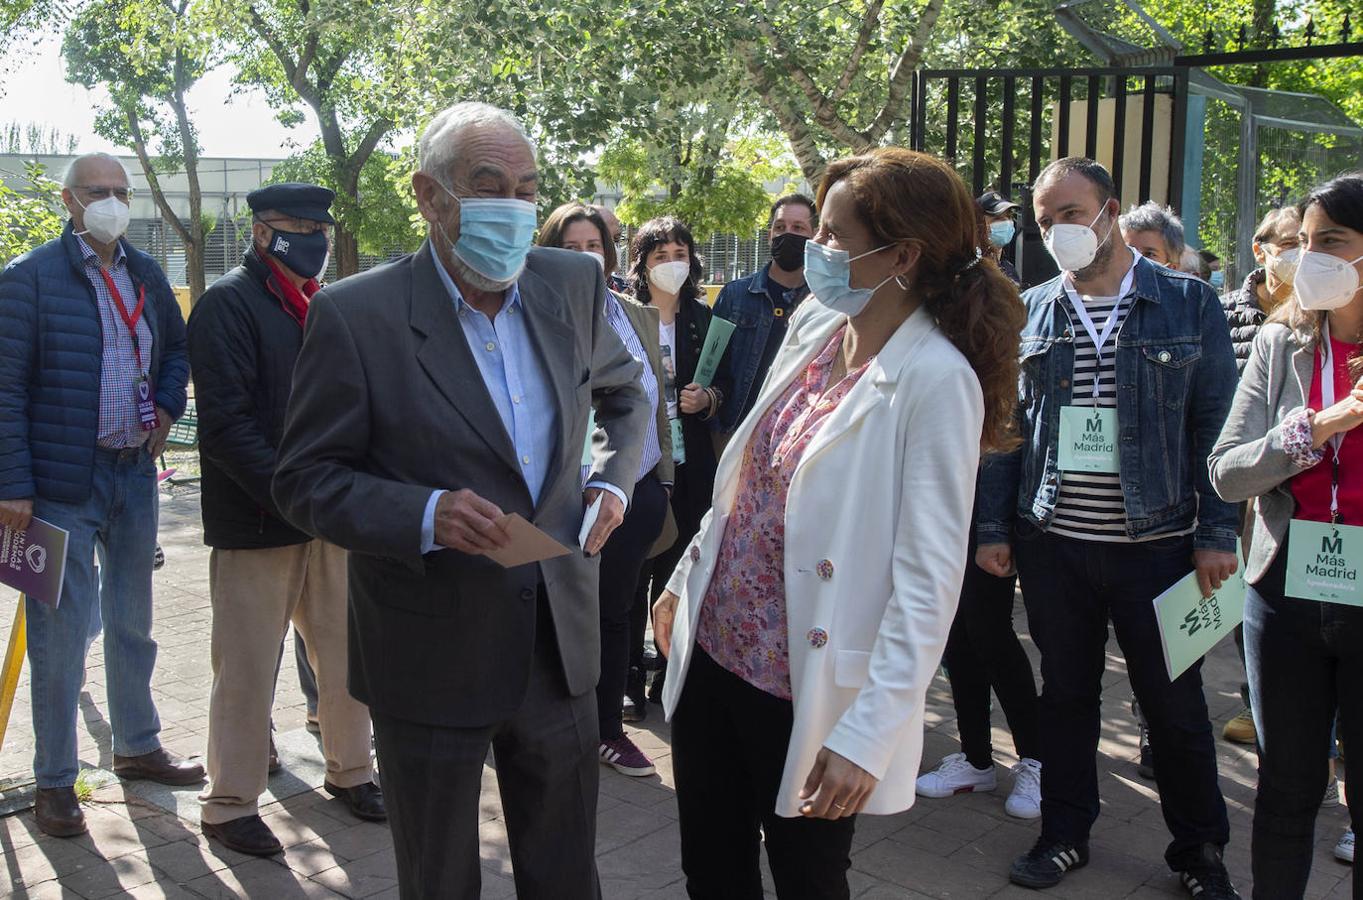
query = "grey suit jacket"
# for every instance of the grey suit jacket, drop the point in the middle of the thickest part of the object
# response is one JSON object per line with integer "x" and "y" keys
{"x": 387, "y": 406}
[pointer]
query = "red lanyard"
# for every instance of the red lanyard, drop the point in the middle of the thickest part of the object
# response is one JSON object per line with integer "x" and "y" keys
{"x": 129, "y": 320}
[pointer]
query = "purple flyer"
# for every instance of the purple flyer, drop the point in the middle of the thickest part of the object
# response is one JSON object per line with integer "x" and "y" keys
{"x": 33, "y": 562}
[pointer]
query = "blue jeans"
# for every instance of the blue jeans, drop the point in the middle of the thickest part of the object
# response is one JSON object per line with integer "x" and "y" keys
{"x": 1304, "y": 660}
{"x": 117, "y": 522}
{"x": 1071, "y": 589}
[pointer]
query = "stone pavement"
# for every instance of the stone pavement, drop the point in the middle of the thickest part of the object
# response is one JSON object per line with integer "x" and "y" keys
{"x": 957, "y": 848}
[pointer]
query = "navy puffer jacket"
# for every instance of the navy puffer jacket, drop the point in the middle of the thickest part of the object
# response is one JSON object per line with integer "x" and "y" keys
{"x": 50, "y": 348}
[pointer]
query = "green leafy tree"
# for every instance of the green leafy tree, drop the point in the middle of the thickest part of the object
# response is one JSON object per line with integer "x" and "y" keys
{"x": 31, "y": 216}
{"x": 36, "y": 139}
{"x": 148, "y": 54}
{"x": 389, "y": 215}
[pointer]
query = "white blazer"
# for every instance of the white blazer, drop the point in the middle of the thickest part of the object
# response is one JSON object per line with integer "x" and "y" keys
{"x": 877, "y": 521}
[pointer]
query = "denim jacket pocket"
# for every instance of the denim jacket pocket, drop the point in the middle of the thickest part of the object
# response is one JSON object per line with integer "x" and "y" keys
{"x": 1167, "y": 370}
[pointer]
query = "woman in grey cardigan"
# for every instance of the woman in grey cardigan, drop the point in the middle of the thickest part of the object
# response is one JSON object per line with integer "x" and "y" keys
{"x": 1288, "y": 445}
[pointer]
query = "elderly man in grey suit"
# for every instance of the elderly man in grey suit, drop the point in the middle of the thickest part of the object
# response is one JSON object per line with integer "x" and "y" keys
{"x": 432, "y": 396}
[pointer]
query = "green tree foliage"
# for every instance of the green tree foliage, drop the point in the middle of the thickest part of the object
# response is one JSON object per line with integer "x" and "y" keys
{"x": 29, "y": 216}
{"x": 384, "y": 193}
{"x": 36, "y": 139}
{"x": 148, "y": 54}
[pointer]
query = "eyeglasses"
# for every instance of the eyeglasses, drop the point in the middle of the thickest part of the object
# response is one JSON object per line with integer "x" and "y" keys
{"x": 297, "y": 226}
{"x": 97, "y": 192}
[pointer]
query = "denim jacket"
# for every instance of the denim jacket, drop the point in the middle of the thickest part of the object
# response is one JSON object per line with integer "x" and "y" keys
{"x": 1175, "y": 379}
{"x": 745, "y": 303}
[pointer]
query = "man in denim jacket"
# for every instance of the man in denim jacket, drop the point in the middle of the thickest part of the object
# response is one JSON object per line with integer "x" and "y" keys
{"x": 1127, "y": 375}
{"x": 760, "y": 305}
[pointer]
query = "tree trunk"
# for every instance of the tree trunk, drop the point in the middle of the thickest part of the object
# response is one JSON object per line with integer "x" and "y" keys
{"x": 347, "y": 251}
{"x": 194, "y": 269}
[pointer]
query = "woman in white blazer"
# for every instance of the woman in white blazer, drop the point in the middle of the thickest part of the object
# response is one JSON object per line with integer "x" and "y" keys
{"x": 807, "y": 618}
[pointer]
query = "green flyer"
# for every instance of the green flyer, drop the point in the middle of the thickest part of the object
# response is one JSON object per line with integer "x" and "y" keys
{"x": 712, "y": 351}
{"x": 1190, "y": 624}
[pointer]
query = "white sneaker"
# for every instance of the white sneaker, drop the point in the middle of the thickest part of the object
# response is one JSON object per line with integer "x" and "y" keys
{"x": 1331, "y": 797}
{"x": 1344, "y": 850}
{"x": 1025, "y": 800}
{"x": 955, "y": 775}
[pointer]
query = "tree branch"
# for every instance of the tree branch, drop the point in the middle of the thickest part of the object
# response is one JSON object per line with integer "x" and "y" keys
{"x": 158, "y": 196}
{"x": 297, "y": 76}
{"x": 377, "y": 129}
{"x": 901, "y": 75}
{"x": 796, "y": 129}
{"x": 870, "y": 20}
{"x": 825, "y": 112}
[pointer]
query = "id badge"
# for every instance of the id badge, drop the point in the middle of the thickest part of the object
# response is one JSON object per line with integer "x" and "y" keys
{"x": 678, "y": 442}
{"x": 146, "y": 407}
{"x": 1323, "y": 562}
{"x": 1088, "y": 439}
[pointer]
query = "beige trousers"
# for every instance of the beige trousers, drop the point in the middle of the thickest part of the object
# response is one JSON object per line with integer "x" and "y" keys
{"x": 255, "y": 594}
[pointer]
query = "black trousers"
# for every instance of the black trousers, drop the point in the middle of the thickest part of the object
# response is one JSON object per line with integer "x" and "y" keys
{"x": 729, "y": 743}
{"x": 1072, "y": 588}
{"x": 1305, "y": 660}
{"x": 983, "y": 653}
{"x": 622, "y": 559}
{"x": 547, "y": 772}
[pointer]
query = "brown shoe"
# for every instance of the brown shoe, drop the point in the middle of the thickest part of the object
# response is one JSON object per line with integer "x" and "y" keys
{"x": 249, "y": 835}
{"x": 58, "y": 812}
{"x": 275, "y": 764}
{"x": 159, "y": 766}
{"x": 365, "y": 801}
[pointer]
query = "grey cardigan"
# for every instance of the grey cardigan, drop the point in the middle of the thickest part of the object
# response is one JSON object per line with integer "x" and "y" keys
{"x": 1248, "y": 461}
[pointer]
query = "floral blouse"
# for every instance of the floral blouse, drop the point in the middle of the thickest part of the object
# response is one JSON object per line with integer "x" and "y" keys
{"x": 743, "y": 617}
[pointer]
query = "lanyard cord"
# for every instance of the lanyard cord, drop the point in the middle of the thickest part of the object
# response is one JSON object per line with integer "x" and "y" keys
{"x": 1327, "y": 399}
{"x": 128, "y": 320}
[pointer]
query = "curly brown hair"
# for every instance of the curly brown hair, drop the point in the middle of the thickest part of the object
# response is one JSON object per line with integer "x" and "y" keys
{"x": 905, "y": 196}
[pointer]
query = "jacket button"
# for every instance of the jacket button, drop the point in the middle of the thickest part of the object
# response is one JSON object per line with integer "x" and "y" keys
{"x": 1164, "y": 356}
{"x": 528, "y": 594}
{"x": 817, "y": 637}
{"x": 1064, "y": 382}
{"x": 825, "y": 569}
{"x": 695, "y": 554}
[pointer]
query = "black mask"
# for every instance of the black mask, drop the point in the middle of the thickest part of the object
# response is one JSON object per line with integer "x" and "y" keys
{"x": 788, "y": 251}
{"x": 304, "y": 254}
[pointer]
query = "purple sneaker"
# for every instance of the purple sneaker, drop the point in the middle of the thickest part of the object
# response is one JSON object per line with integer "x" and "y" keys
{"x": 622, "y": 756}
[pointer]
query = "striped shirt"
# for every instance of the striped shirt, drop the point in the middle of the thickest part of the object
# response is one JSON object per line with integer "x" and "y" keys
{"x": 119, "y": 424}
{"x": 1090, "y": 504}
{"x": 621, "y": 325}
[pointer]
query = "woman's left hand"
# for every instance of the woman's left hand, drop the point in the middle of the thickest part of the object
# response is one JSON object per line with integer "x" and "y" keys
{"x": 836, "y": 787}
{"x": 694, "y": 399}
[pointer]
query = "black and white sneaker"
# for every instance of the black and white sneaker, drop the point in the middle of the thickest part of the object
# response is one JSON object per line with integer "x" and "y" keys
{"x": 1207, "y": 879}
{"x": 1047, "y": 862}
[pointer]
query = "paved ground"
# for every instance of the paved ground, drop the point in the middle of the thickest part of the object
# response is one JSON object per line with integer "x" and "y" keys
{"x": 957, "y": 848}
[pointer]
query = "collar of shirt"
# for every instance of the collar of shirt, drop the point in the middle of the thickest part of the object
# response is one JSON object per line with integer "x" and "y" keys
{"x": 511, "y": 298}
{"x": 92, "y": 258}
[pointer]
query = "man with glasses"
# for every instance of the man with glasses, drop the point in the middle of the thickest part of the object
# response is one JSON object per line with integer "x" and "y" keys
{"x": 244, "y": 337}
{"x": 92, "y": 374}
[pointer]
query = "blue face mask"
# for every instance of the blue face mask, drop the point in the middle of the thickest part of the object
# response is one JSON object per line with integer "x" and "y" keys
{"x": 828, "y": 273}
{"x": 495, "y": 234}
{"x": 1001, "y": 234}
{"x": 1218, "y": 279}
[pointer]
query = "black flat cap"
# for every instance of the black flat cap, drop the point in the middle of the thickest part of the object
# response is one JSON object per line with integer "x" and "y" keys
{"x": 302, "y": 201}
{"x": 995, "y": 204}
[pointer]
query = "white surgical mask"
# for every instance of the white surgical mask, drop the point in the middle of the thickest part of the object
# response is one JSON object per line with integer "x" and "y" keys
{"x": 669, "y": 277}
{"x": 1283, "y": 265}
{"x": 105, "y": 220}
{"x": 1324, "y": 281}
{"x": 1074, "y": 247}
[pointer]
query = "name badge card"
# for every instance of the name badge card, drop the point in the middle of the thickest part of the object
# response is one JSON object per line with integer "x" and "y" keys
{"x": 678, "y": 442}
{"x": 1323, "y": 562}
{"x": 1088, "y": 439}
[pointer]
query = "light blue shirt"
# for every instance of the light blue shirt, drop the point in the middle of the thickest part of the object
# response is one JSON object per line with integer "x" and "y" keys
{"x": 518, "y": 384}
{"x": 621, "y": 325}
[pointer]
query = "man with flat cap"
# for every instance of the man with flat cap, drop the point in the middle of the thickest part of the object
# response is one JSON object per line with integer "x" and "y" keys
{"x": 244, "y": 336}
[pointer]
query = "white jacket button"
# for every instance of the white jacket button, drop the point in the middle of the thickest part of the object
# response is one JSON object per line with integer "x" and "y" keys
{"x": 817, "y": 637}
{"x": 825, "y": 569}
{"x": 695, "y": 554}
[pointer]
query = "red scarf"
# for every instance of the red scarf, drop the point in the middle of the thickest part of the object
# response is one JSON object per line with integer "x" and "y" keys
{"x": 294, "y": 301}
